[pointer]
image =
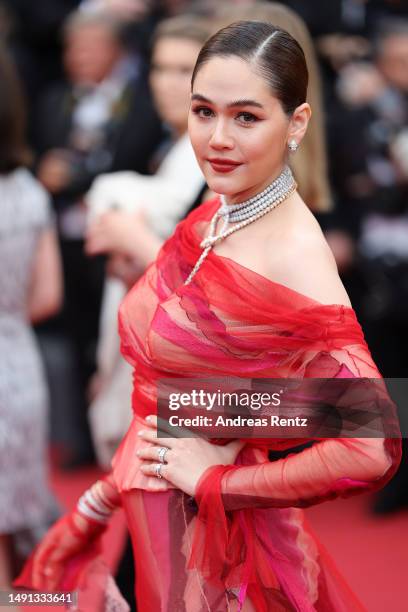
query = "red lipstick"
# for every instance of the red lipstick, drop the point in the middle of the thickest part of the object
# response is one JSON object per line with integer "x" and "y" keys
{"x": 222, "y": 164}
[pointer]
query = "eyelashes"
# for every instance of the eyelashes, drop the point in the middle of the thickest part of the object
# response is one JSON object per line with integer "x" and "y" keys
{"x": 243, "y": 117}
{"x": 202, "y": 111}
{"x": 249, "y": 117}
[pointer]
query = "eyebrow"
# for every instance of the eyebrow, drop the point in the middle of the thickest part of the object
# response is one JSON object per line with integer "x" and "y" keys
{"x": 242, "y": 102}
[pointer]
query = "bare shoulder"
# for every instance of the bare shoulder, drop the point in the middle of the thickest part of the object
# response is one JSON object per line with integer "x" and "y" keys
{"x": 306, "y": 263}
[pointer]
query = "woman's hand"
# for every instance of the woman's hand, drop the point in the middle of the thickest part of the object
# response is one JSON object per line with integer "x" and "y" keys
{"x": 187, "y": 458}
{"x": 69, "y": 536}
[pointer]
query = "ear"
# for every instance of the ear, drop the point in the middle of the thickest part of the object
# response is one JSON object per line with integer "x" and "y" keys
{"x": 298, "y": 122}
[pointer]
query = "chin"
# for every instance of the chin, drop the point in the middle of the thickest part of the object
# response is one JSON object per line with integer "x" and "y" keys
{"x": 225, "y": 186}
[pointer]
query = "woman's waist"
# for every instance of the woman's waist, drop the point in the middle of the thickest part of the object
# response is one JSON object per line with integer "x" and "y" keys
{"x": 144, "y": 399}
{"x": 126, "y": 464}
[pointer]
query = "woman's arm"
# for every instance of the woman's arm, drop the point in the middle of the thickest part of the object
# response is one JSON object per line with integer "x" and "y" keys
{"x": 329, "y": 469}
{"x": 45, "y": 290}
{"x": 74, "y": 534}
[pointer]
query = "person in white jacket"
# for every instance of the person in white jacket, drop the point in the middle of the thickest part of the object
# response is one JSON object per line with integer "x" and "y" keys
{"x": 131, "y": 214}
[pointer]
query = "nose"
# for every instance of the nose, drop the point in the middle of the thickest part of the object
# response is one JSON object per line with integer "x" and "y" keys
{"x": 221, "y": 137}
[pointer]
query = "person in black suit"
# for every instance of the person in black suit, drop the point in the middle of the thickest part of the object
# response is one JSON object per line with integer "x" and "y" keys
{"x": 100, "y": 119}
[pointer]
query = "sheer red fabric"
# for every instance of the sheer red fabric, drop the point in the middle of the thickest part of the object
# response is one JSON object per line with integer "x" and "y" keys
{"x": 249, "y": 541}
{"x": 248, "y": 546}
{"x": 69, "y": 558}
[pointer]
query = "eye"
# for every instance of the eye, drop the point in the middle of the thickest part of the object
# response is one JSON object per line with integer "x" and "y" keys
{"x": 203, "y": 111}
{"x": 246, "y": 117}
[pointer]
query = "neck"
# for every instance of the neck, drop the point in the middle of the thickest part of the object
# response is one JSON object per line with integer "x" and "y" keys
{"x": 242, "y": 196}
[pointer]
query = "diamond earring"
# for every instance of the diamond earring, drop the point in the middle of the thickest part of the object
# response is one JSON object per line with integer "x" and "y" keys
{"x": 293, "y": 145}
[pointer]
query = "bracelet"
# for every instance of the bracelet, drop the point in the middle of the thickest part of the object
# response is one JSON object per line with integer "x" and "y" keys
{"x": 97, "y": 490}
{"x": 86, "y": 511}
{"x": 95, "y": 505}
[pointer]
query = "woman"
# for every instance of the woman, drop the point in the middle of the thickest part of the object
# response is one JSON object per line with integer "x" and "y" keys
{"x": 30, "y": 290}
{"x": 233, "y": 301}
{"x": 135, "y": 240}
{"x": 130, "y": 235}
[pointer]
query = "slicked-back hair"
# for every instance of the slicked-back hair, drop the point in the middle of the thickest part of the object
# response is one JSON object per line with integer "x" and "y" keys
{"x": 272, "y": 51}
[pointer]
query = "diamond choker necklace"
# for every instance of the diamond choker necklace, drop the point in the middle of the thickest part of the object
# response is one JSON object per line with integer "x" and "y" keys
{"x": 244, "y": 213}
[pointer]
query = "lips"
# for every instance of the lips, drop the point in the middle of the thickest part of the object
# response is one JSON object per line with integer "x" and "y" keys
{"x": 223, "y": 165}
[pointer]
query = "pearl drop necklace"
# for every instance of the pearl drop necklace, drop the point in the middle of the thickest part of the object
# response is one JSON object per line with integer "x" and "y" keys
{"x": 245, "y": 213}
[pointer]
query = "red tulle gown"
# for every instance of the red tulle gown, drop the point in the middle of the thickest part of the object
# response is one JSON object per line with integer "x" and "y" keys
{"x": 247, "y": 547}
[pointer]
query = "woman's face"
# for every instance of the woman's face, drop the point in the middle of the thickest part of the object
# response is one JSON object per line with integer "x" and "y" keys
{"x": 238, "y": 129}
{"x": 173, "y": 62}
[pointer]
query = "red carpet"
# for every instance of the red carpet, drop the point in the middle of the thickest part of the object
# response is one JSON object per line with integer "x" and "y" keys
{"x": 371, "y": 552}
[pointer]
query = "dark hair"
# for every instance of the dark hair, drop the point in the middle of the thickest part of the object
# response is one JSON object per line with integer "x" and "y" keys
{"x": 13, "y": 148}
{"x": 276, "y": 55}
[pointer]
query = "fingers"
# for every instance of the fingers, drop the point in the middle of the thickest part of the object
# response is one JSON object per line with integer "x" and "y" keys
{"x": 155, "y": 469}
{"x": 53, "y": 574}
{"x": 38, "y": 566}
{"x": 50, "y": 558}
{"x": 41, "y": 572}
{"x": 150, "y": 435}
{"x": 156, "y": 485}
{"x": 152, "y": 453}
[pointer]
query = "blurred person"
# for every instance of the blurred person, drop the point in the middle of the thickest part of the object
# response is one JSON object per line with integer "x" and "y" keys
{"x": 138, "y": 18}
{"x": 30, "y": 290}
{"x": 131, "y": 215}
{"x": 392, "y": 53}
{"x": 101, "y": 119}
{"x": 370, "y": 179}
{"x": 217, "y": 526}
{"x": 369, "y": 160}
{"x": 128, "y": 10}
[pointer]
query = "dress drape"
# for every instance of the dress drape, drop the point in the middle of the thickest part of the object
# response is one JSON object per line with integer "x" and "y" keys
{"x": 249, "y": 541}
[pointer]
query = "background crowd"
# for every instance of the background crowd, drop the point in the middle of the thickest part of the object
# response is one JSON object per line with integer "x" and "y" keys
{"x": 105, "y": 171}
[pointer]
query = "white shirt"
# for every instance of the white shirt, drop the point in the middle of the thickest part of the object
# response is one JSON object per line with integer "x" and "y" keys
{"x": 165, "y": 197}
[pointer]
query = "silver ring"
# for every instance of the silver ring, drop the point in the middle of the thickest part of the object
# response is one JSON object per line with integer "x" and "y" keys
{"x": 157, "y": 469}
{"x": 162, "y": 453}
